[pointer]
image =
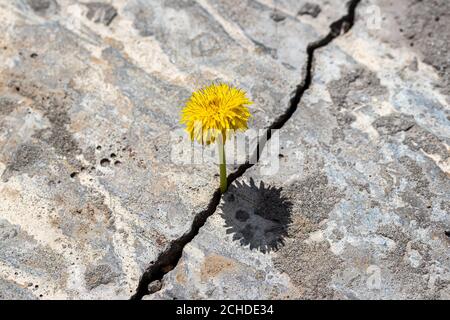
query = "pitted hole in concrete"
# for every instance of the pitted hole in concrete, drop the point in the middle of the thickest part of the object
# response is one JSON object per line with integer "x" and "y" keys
{"x": 33, "y": 55}
{"x": 105, "y": 162}
{"x": 99, "y": 148}
{"x": 73, "y": 174}
{"x": 113, "y": 155}
{"x": 117, "y": 163}
{"x": 447, "y": 233}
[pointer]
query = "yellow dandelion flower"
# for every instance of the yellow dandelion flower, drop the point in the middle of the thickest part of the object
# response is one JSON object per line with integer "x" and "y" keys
{"x": 212, "y": 113}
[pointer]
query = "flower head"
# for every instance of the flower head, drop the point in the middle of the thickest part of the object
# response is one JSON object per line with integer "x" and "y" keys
{"x": 213, "y": 110}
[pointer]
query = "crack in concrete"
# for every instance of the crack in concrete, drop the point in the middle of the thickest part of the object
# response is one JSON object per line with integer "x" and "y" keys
{"x": 168, "y": 259}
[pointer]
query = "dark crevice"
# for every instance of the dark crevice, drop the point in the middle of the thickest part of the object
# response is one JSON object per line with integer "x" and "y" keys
{"x": 168, "y": 259}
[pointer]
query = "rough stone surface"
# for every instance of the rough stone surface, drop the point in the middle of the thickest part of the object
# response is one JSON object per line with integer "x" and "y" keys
{"x": 423, "y": 25}
{"x": 311, "y": 9}
{"x": 101, "y": 12}
{"x": 354, "y": 204}
{"x": 359, "y": 206}
{"x": 90, "y": 93}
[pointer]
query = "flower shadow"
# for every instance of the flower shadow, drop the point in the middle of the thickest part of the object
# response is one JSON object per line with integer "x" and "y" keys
{"x": 258, "y": 216}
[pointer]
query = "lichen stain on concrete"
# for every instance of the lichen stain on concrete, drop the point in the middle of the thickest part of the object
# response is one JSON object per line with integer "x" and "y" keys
{"x": 214, "y": 265}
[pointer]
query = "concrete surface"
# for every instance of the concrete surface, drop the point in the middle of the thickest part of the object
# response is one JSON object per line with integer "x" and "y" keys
{"x": 90, "y": 96}
{"x": 359, "y": 208}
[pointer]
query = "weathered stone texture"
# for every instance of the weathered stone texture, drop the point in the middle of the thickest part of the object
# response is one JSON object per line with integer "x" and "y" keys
{"x": 362, "y": 189}
{"x": 90, "y": 96}
{"x": 354, "y": 205}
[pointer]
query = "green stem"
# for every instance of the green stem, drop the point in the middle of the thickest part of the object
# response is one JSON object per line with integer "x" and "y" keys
{"x": 222, "y": 165}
